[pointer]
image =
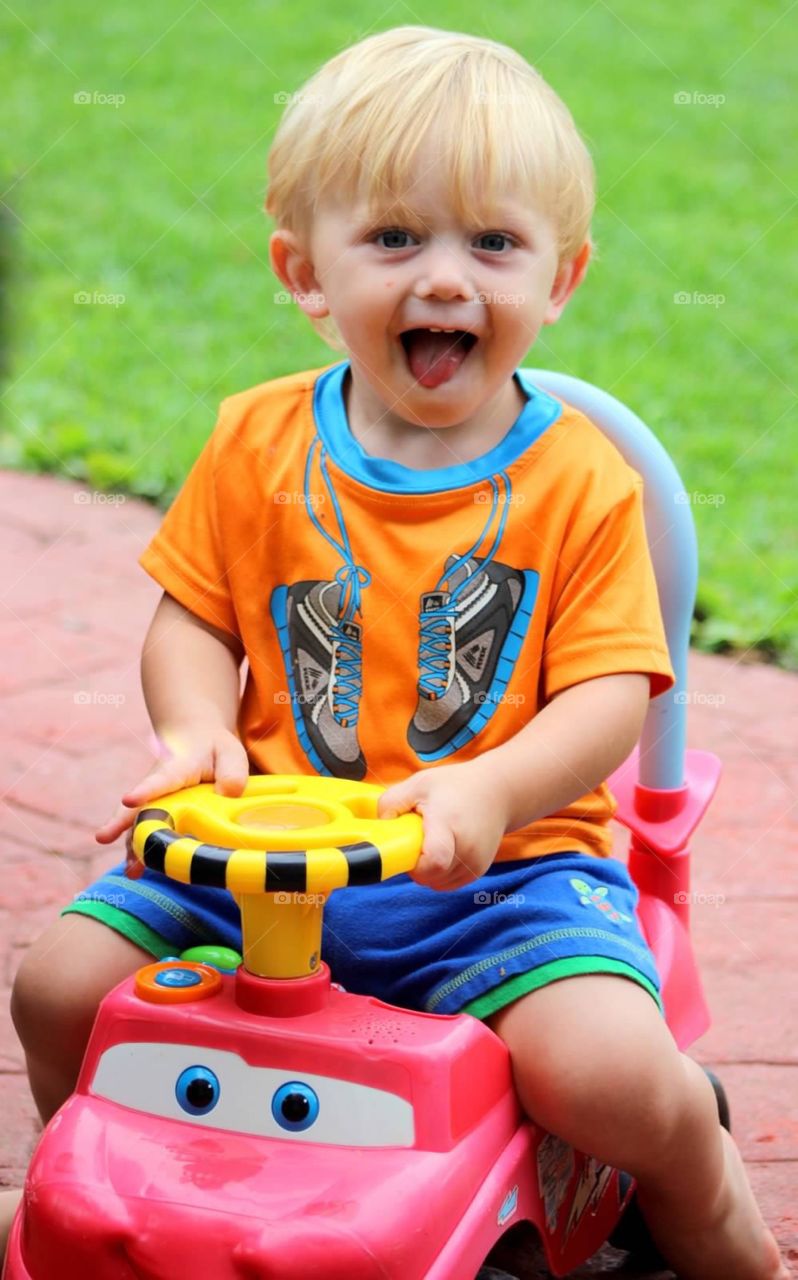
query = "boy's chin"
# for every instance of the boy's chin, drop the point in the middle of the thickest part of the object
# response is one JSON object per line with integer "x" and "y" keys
{"x": 437, "y": 407}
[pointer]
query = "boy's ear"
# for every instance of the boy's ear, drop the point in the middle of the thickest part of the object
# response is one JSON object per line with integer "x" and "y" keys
{"x": 292, "y": 266}
{"x": 568, "y": 279}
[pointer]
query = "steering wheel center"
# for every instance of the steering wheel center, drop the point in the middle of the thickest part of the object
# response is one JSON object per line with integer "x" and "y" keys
{"x": 282, "y": 816}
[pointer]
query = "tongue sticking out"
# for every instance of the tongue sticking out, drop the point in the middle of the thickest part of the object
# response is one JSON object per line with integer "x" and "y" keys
{"x": 434, "y": 358}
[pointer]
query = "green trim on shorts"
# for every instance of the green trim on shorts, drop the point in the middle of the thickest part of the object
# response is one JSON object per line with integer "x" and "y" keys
{"x": 511, "y": 990}
{"x": 126, "y": 924}
{"x": 491, "y": 1002}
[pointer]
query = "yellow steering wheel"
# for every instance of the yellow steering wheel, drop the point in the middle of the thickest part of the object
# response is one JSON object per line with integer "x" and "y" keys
{"x": 280, "y": 849}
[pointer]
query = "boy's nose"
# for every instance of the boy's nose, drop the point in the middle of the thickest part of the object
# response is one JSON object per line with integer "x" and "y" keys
{"x": 444, "y": 273}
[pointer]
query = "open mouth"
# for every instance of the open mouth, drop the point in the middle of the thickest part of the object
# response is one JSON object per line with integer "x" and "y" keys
{"x": 435, "y": 355}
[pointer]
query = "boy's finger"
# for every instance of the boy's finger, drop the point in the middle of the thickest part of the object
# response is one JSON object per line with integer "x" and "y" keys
{"x": 122, "y": 819}
{"x": 134, "y": 869}
{"x": 231, "y": 768}
{"x": 398, "y": 799}
{"x": 168, "y": 776}
{"x": 437, "y": 852}
{"x": 172, "y": 775}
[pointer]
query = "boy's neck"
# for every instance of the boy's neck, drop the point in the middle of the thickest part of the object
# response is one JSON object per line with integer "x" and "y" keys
{"x": 428, "y": 448}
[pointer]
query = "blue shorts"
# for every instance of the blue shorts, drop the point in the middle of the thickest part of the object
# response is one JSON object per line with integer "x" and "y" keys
{"x": 474, "y": 949}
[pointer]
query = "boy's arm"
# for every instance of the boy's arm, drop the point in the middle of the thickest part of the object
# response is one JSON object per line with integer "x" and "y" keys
{"x": 191, "y": 681}
{"x": 571, "y": 745}
{"x": 190, "y": 673}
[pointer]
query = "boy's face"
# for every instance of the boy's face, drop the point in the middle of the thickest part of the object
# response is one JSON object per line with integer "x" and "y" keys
{"x": 389, "y": 285}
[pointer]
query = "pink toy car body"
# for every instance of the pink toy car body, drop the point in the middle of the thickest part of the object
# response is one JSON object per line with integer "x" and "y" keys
{"x": 415, "y": 1163}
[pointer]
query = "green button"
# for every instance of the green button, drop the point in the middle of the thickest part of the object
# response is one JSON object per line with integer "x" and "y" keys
{"x": 222, "y": 958}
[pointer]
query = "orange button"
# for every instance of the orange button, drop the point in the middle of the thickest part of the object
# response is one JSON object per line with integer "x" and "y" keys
{"x": 177, "y": 982}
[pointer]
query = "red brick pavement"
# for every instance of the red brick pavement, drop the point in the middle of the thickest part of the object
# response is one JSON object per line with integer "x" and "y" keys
{"x": 74, "y": 729}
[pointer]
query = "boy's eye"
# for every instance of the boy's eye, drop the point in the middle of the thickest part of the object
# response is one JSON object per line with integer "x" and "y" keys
{"x": 494, "y": 241}
{"x": 394, "y": 238}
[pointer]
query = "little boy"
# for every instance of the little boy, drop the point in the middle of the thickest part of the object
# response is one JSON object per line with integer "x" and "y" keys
{"x": 439, "y": 577}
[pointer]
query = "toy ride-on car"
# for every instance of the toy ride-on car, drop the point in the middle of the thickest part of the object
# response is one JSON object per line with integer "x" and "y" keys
{"x": 273, "y": 1124}
{"x": 254, "y": 1121}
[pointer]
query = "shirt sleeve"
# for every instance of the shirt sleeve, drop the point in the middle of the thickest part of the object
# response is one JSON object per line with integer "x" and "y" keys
{"x": 606, "y": 617}
{"x": 187, "y": 555}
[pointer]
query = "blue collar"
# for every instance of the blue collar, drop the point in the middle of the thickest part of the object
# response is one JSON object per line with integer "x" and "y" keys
{"x": 329, "y": 411}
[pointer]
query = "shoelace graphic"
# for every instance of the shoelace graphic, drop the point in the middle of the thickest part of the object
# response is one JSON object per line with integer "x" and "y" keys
{"x": 437, "y": 623}
{"x": 347, "y": 674}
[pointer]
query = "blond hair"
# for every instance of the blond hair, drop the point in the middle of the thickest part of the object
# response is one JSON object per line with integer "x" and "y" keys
{"x": 358, "y": 124}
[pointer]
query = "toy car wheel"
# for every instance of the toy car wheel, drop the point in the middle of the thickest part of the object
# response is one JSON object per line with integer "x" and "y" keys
{"x": 724, "y": 1114}
{"x": 516, "y": 1253}
{"x": 631, "y": 1233}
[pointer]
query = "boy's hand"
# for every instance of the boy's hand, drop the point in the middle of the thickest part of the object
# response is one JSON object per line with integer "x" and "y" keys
{"x": 464, "y": 821}
{"x": 218, "y": 755}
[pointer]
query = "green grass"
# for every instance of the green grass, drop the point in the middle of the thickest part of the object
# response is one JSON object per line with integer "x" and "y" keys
{"x": 159, "y": 199}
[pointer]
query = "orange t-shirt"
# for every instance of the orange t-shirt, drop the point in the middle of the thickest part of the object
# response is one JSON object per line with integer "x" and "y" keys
{"x": 396, "y": 618}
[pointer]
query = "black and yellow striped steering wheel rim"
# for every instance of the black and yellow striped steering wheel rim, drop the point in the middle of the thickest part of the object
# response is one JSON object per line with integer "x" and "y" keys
{"x": 199, "y": 837}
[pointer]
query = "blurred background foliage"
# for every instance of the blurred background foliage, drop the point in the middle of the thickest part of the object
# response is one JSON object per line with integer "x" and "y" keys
{"x": 137, "y": 289}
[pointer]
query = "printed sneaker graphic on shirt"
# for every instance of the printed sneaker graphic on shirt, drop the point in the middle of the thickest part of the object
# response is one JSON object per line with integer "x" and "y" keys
{"x": 323, "y": 655}
{"x": 470, "y": 635}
